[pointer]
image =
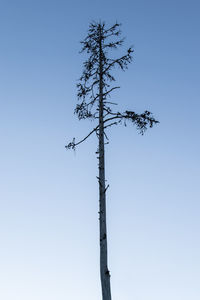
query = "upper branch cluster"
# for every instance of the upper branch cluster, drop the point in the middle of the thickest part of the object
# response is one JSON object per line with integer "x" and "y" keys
{"x": 97, "y": 44}
{"x": 88, "y": 85}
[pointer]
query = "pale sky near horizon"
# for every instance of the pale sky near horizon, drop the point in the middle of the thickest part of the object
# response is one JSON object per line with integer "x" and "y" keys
{"x": 49, "y": 196}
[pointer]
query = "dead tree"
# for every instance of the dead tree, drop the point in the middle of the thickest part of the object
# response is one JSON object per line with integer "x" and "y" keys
{"x": 94, "y": 90}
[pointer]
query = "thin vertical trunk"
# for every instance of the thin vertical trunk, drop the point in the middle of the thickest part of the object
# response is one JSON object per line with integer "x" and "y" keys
{"x": 105, "y": 276}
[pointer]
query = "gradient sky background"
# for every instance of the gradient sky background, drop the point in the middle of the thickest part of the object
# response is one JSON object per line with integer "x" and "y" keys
{"x": 49, "y": 197}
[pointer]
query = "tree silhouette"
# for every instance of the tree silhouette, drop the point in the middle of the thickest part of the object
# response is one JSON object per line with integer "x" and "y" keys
{"x": 94, "y": 89}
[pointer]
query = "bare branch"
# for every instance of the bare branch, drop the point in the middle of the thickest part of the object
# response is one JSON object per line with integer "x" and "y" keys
{"x": 106, "y": 136}
{"x": 109, "y": 125}
{"x": 108, "y": 102}
{"x": 72, "y": 144}
{"x": 108, "y": 92}
{"x": 114, "y": 44}
{"x": 122, "y": 62}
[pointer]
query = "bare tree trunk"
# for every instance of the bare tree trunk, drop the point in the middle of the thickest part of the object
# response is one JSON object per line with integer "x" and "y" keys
{"x": 105, "y": 275}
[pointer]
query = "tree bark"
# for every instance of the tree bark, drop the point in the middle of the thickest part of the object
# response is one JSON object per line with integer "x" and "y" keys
{"x": 104, "y": 272}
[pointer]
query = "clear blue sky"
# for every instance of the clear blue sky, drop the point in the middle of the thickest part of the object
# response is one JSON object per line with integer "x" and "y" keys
{"x": 49, "y": 197}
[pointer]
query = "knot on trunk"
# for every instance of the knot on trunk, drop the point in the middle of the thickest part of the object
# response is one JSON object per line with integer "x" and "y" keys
{"x": 103, "y": 238}
{"x": 107, "y": 272}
